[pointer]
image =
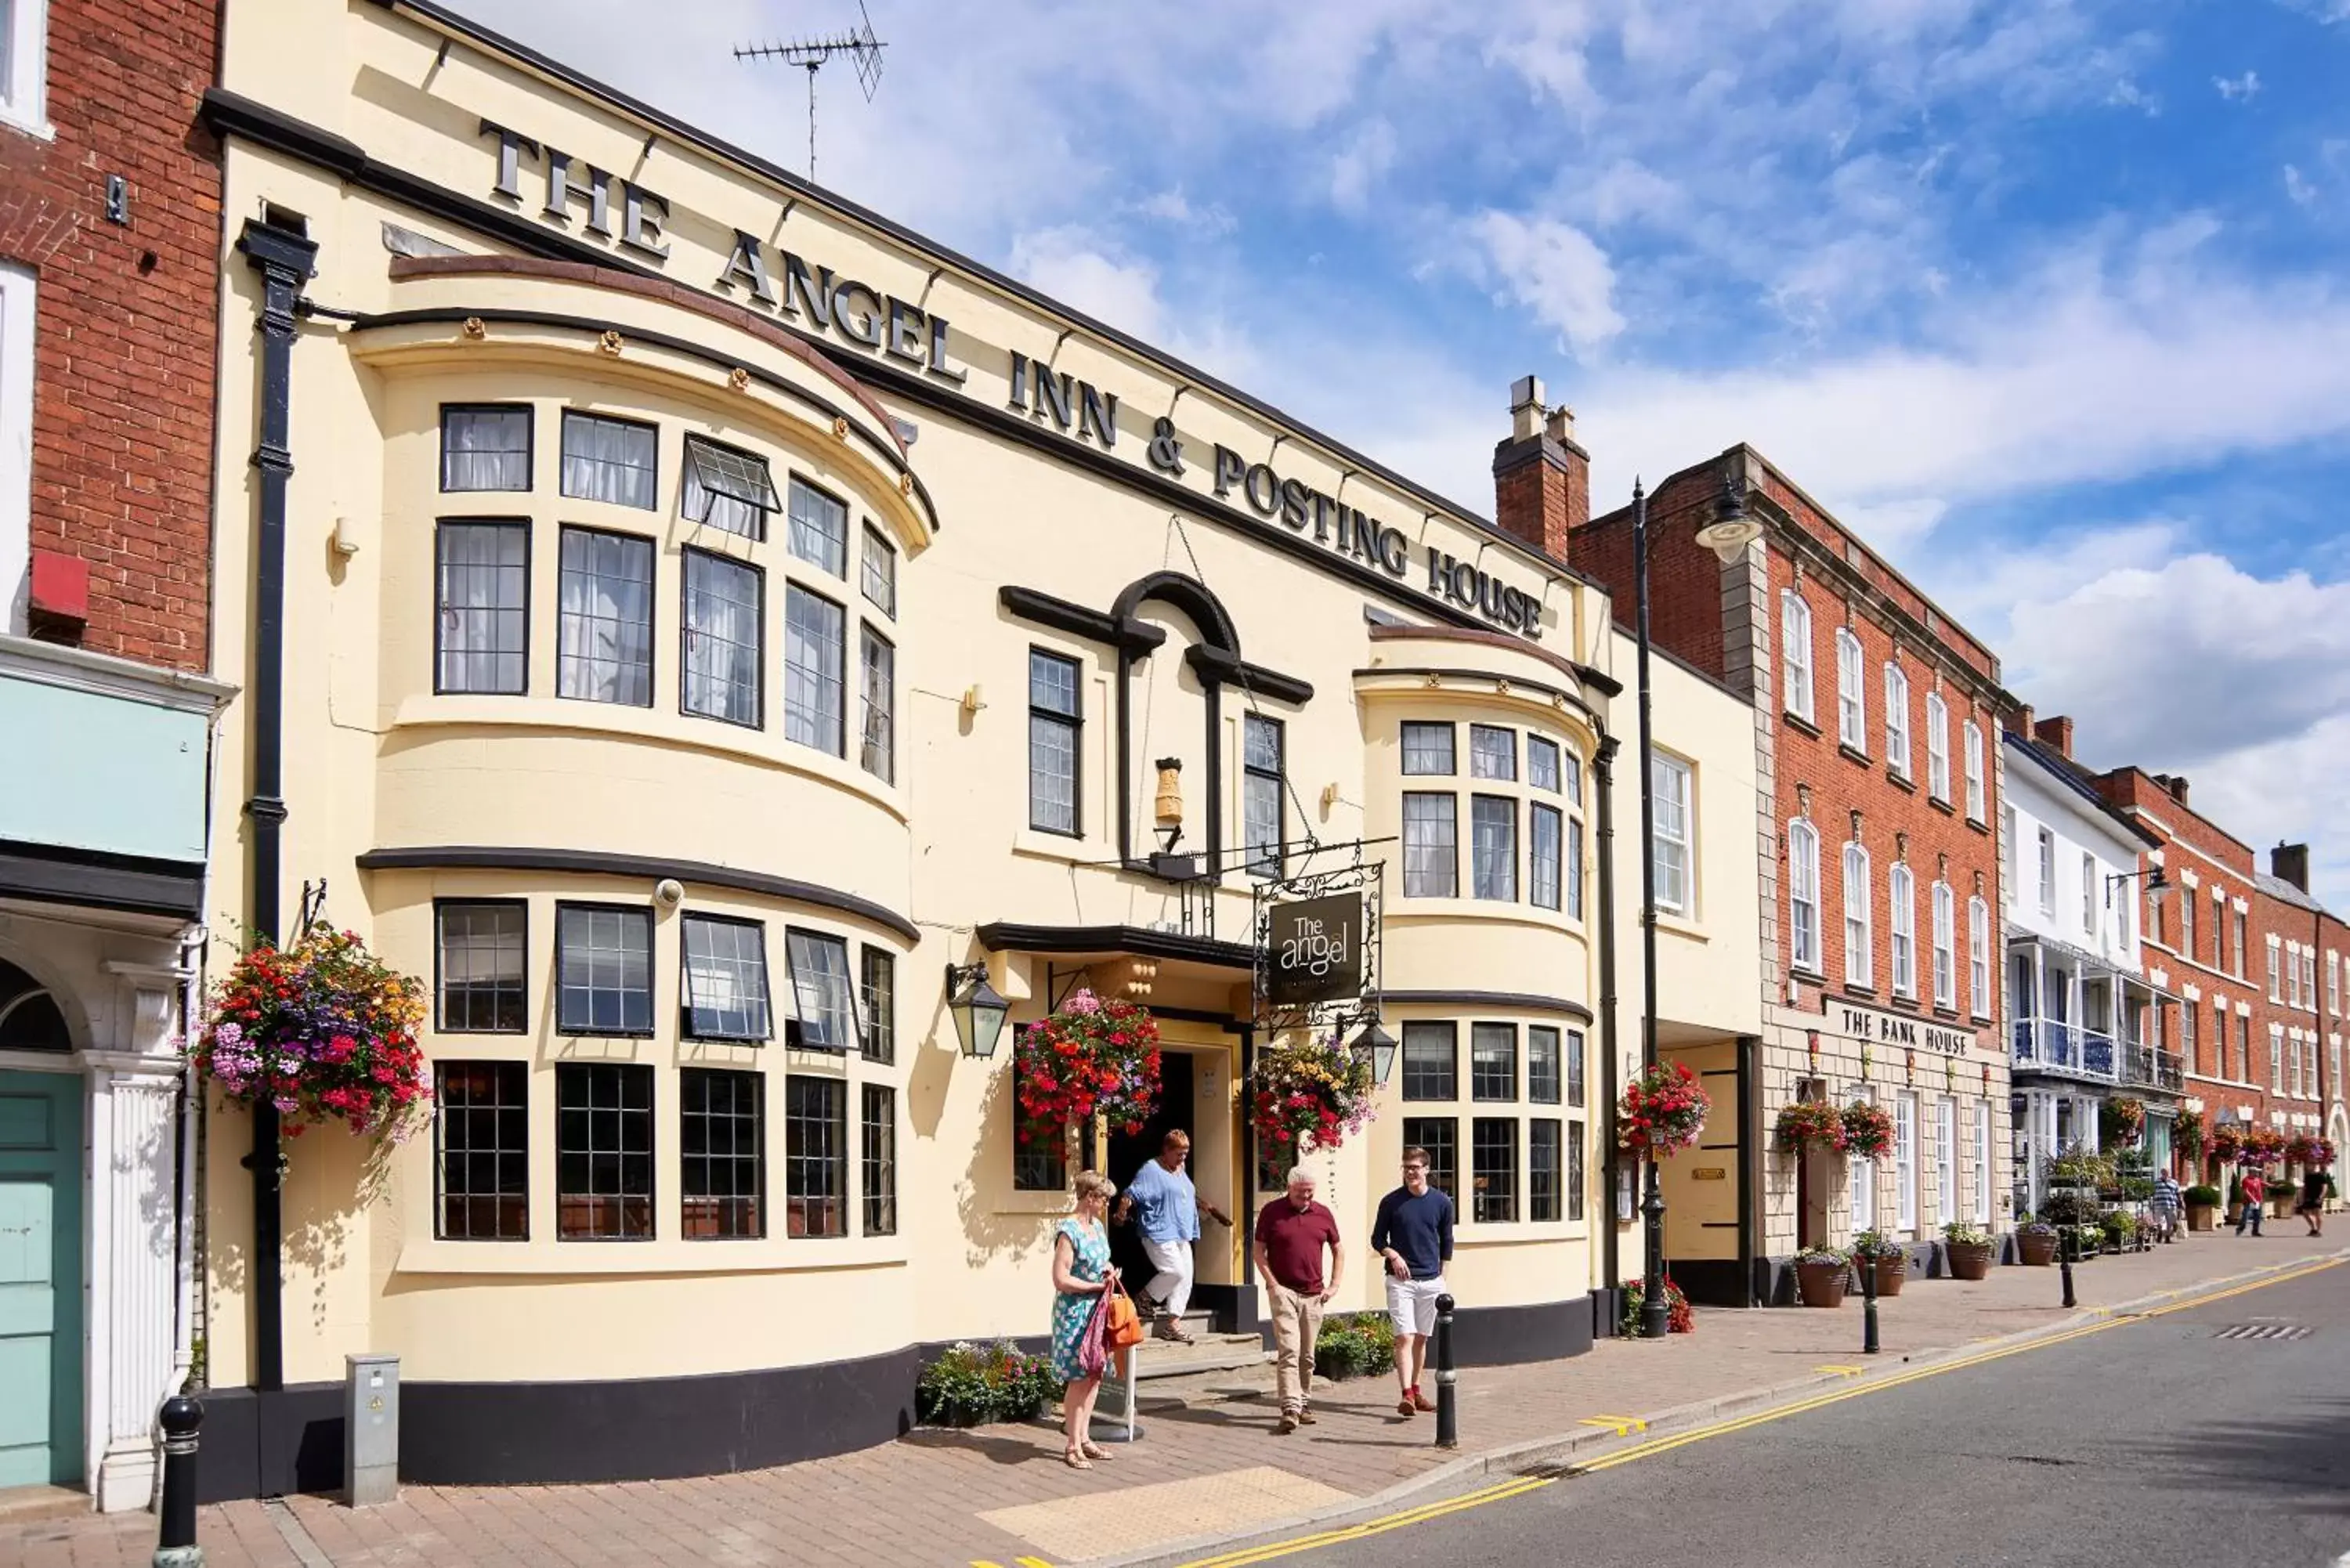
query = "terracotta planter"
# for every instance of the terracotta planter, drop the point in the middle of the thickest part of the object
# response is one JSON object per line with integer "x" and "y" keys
{"x": 2037, "y": 1251}
{"x": 2198, "y": 1216}
{"x": 1890, "y": 1273}
{"x": 1820, "y": 1284}
{"x": 1967, "y": 1262}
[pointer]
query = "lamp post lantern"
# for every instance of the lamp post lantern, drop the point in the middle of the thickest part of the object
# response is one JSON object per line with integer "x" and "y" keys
{"x": 977, "y": 1010}
{"x": 1378, "y": 1046}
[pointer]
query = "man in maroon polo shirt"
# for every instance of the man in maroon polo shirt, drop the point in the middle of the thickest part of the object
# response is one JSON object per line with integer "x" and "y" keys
{"x": 1291, "y": 1233}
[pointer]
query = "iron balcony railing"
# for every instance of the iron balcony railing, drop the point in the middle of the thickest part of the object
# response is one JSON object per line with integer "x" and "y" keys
{"x": 2152, "y": 1068}
{"x": 2055, "y": 1045}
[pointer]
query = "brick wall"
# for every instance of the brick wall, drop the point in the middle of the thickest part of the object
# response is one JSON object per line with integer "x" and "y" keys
{"x": 124, "y": 337}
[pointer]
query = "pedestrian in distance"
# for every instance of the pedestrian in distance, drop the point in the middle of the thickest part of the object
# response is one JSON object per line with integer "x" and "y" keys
{"x": 2312, "y": 1207}
{"x": 1292, "y": 1233}
{"x": 2166, "y": 1206}
{"x": 1412, "y": 1234}
{"x": 1081, "y": 1274}
{"x": 1167, "y": 1207}
{"x": 2256, "y": 1193}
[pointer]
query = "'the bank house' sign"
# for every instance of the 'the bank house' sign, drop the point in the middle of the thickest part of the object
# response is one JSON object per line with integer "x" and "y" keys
{"x": 1869, "y": 1026}
{"x": 634, "y": 220}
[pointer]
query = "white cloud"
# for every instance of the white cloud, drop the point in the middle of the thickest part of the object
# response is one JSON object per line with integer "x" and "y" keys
{"x": 2238, "y": 89}
{"x": 2127, "y": 94}
{"x": 1072, "y": 265}
{"x": 1555, "y": 270}
{"x": 1361, "y": 164}
{"x": 1172, "y": 206}
{"x": 2297, "y": 186}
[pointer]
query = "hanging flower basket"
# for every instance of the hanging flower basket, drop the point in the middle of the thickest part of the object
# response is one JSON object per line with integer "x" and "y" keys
{"x": 1867, "y": 1130}
{"x": 2128, "y": 1117}
{"x": 1094, "y": 1057}
{"x": 1663, "y": 1110}
{"x": 2227, "y": 1142}
{"x": 2187, "y": 1134}
{"x": 2264, "y": 1144}
{"x": 2309, "y": 1153}
{"x": 1308, "y": 1093}
{"x": 323, "y": 1030}
{"x": 1810, "y": 1124}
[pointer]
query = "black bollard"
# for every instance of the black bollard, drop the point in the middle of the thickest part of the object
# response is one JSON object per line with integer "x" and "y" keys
{"x": 1448, "y": 1431}
{"x": 2064, "y": 1262}
{"x": 1868, "y": 1305}
{"x": 176, "y": 1541}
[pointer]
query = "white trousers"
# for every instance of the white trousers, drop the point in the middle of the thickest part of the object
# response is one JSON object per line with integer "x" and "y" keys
{"x": 1172, "y": 1284}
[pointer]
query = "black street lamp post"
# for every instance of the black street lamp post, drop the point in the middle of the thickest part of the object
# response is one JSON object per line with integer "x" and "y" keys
{"x": 1726, "y": 536}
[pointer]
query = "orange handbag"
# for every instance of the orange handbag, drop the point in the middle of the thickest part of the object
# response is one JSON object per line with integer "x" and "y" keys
{"x": 1124, "y": 1329}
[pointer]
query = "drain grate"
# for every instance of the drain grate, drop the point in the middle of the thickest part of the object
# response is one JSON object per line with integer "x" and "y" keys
{"x": 2263, "y": 1331}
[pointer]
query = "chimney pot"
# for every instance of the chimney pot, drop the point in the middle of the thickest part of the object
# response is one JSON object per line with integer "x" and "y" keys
{"x": 1525, "y": 407}
{"x": 2177, "y": 784}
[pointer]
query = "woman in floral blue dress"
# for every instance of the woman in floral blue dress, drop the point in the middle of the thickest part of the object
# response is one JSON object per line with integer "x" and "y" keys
{"x": 1081, "y": 1272}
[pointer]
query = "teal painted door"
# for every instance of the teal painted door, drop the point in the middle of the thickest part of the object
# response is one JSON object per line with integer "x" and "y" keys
{"x": 41, "y": 1279}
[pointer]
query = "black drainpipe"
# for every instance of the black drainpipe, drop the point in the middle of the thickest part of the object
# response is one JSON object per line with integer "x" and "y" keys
{"x": 284, "y": 257}
{"x": 1603, "y": 769}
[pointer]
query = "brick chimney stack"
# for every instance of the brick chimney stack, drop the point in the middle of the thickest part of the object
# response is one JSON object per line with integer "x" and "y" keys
{"x": 2289, "y": 863}
{"x": 1542, "y": 479}
{"x": 2019, "y": 722}
{"x": 2056, "y": 733}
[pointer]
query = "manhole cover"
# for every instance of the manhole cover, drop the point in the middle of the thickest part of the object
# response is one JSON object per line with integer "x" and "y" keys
{"x": 2263, "y": 1331}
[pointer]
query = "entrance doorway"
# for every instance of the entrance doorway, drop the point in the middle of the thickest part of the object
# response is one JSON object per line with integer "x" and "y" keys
{"x": 1130, "y": 1152}
{"x": 41, "y": 1279}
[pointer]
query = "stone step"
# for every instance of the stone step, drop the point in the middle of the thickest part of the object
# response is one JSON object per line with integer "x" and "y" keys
{"x": 28, "y": 1504}
{"x": 1212, "y": 1352}
{"x": 1226, "y": 1385}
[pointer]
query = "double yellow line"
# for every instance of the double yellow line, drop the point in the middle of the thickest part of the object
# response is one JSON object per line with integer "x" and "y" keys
{"x": 1649, "y": 1449}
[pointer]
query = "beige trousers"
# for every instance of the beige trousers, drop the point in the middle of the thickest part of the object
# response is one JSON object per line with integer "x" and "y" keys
{"x": 1296, "y": 1324}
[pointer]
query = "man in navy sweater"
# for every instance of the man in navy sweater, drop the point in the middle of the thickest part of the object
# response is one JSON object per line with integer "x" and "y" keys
{"x": 1413, "y": 1235}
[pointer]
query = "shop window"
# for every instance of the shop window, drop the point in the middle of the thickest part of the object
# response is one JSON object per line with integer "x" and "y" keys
{"x": 1441, "y": 1136}
{"x": 1431, "y": 1063}
{"x": 1542, "y": 1195}
{"x": 603, "y": 1151}
{"x": 876, "y": 664}
{"x": 485, "y": 447}
{"x": 1054, "y": 713}
{"x": 1492, "y": 752}
{"x": 726, "y": 489}
{"x": 604, "y": 647}
{"x": 724, "y": 608}
{"x": 725, "y": 979}
{"x": 1493, "y": 1061}
{"x": 1795, "y": 640}
{"x": 1493, "y": 848}
{"x": 1542, "y": 763}
{"x": 1431, "y": 853}
{"x": 482, "y": 949}
{"x": 482, "y": 610}
{"x": 1674, "y": 834}
{"x": 879, "y": 577}
{"x": 1262, "y": 744}
{"x": 1542, "y": 1083}
{"x": 815, "y": 1156}
{"x": 879, "y": 1129}
{"x": 481, "y": 1122}
{"x": 609, "y": 460}
{"x": 813, "y": 629}
{"x": 819, "y": 528}
{"x": 1546, "y": 828}
{"x": 1494, "y": 1195}
{"x": 1428, "y": 749}
{"x": 877, "y": 989}
{"x": 722, "y": 1158}
{"x": 820, "y": 983}
{"x": 603, "y": 958}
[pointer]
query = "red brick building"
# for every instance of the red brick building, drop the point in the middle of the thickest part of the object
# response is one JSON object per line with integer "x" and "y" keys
{"x": 109, "y": 261}
{"x": 1877, "y": 724}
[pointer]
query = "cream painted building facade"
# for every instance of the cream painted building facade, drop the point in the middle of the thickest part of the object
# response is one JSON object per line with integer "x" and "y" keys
{"x": 710, "y": 611}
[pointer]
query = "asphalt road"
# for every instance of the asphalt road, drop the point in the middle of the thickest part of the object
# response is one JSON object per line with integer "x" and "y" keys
{"x": 2156, "y": 1442}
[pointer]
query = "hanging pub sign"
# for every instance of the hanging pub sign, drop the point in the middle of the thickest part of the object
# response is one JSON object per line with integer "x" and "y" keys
{"x": 1315, "y": 949}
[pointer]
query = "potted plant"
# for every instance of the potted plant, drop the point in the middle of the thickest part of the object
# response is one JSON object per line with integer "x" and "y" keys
{"x": 1662, "y": 1111}
{"x": 1884, "y": 1258}
{"x": 2125, "y": 1117}
{"x": 2035, "y": 1242}
{"x": 2201, "y": 1201}
{"x": 2309, "y": 1153}
{"x": 1966, "y": 1249}
{"x": 1810, "y": 1124}
{"x": 2226, "y": 1142}
{"x": 1353, "y": 1345}
{"x": 2119, "y": 1230}
{"x": 1678, "y": 1319}
{"x": 1308, "y": 1094}
{"x": 1819, "y": 1275}
{"x": 970, "y": 1384}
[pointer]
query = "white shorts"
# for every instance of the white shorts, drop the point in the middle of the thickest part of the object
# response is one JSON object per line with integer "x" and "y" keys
{"x": 1412, "y": 1304}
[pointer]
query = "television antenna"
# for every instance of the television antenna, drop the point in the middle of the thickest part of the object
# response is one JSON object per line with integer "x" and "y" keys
{"x": 863, "y": 49}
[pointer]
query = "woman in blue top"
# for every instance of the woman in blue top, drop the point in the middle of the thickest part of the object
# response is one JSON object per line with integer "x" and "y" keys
{"x": 1081, "y": 1272}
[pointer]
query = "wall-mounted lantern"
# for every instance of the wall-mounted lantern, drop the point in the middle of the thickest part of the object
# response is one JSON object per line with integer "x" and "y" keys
{"x": 979, "y": 1011}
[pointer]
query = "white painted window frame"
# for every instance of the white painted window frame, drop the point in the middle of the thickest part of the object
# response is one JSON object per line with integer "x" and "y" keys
{"x": 1795, "y": 647}
{"x": 1975, "y": 772}
{"x": 24, "y": 68}
{"x": 1804, "y": 895}
{"x": 17, "y": 319}
{"x": 1902, "y": 899}
{"x": 1938, "y": 747}
{"x": 1852, "y": 692}
{"x": 1859, "y": 926}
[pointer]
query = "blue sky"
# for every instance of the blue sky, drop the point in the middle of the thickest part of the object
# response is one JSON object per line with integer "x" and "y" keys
{"x": 2045, "y": 296}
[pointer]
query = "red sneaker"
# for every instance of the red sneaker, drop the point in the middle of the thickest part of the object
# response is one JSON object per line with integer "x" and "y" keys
{"x": 1404, "y": 1406}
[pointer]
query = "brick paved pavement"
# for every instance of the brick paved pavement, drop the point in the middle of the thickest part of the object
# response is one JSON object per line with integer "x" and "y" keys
{"x": 920, "y": 1500}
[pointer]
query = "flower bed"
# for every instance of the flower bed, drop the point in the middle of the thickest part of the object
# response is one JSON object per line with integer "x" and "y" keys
{"x": 1094, "y": 1057}
{"x": 324, "y": 1031}
{"x": 1307, "y": 1093}
{"x": 1662, "y": 1111}
{"x": 970, "y": 1384}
